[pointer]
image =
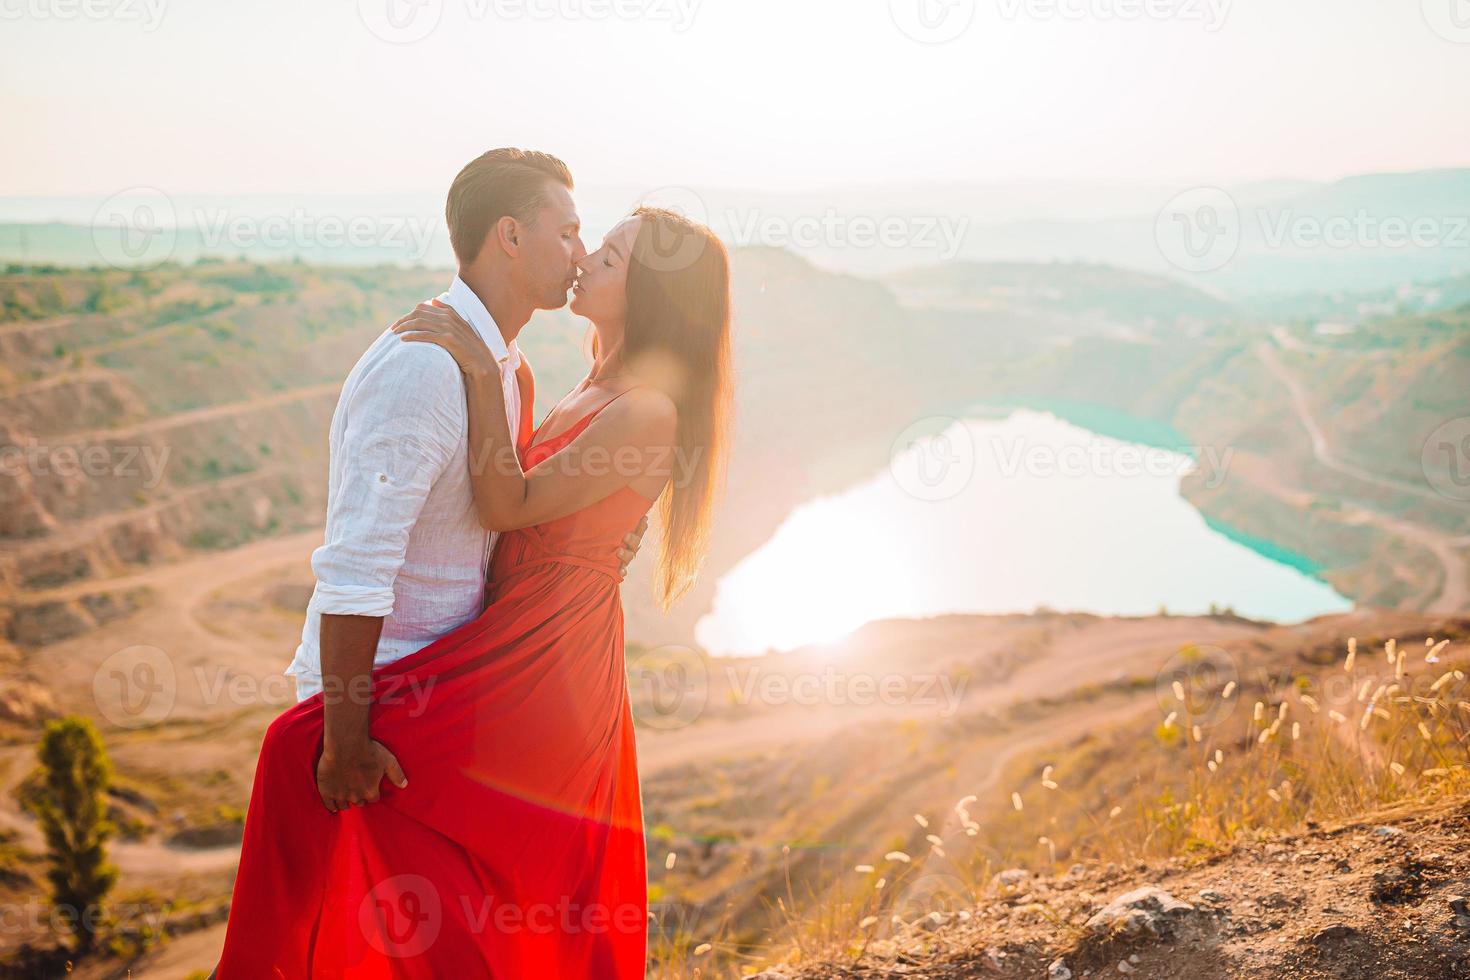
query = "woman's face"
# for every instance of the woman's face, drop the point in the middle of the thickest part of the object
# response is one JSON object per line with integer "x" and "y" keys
{"x": 602, "y": 276}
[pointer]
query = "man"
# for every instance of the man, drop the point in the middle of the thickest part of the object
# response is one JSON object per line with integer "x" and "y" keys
{"x": 405, "y": 558}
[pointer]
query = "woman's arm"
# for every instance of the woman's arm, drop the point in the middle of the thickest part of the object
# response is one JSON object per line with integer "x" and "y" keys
{"x": 630, "y": 442}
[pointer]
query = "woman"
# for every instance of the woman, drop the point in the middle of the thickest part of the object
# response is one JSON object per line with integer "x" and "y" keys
{"x": 517, "y": 849}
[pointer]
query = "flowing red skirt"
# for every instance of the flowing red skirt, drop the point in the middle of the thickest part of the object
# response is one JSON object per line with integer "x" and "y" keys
{"x": 516, "y": 850}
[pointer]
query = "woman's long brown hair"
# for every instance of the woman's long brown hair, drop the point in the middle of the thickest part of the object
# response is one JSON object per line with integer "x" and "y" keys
{"x": 677, "y": 337}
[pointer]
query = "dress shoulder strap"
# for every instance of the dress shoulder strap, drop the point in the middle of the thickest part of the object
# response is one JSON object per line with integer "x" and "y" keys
{"x": 598, "y": 410}
{"x": 614, "y": 398}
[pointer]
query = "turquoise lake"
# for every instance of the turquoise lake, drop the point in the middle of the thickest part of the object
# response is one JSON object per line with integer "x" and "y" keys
{"x": 1011, "y": 513}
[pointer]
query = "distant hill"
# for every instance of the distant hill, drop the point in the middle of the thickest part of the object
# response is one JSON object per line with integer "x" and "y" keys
{"x": 82, "y": 246}
{"x": 1364, "y": 307}
{"x": 1430, "y": 193}
{"x": 1282, "y": 230}
{"x": 1082, "y": 292}
{"x": 1282, "y": 222}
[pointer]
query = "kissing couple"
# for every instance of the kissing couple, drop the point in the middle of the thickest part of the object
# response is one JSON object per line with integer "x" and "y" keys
{"x": 455, "y": 793}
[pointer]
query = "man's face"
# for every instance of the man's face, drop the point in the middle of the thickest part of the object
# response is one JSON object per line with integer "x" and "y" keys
{"x": 550, "y": 248}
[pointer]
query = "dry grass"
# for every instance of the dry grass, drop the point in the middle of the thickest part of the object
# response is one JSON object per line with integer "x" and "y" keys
{"x": 1224, "y": 760}
{"x": 1265, "y": 754}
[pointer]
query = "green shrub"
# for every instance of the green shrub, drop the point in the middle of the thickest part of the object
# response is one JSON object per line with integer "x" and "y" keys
{"x": 72, "y": 805}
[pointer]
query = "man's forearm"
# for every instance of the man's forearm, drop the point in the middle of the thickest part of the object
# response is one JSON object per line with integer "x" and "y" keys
{"x": 348, "y": 644}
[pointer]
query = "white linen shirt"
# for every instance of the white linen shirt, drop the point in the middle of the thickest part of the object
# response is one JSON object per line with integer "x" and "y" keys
{"x": 403, "y": 540}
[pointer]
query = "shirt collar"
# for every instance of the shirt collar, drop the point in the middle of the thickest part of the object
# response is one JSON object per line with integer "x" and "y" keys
{"x": 462, "y": 299}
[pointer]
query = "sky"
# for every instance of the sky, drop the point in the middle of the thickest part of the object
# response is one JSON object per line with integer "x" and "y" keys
{"x": 386, "y": 96}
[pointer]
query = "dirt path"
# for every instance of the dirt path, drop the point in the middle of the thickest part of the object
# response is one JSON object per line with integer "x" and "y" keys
{"x": 1037, "y": 735}
{"x": 174, "y": 624}
{"x": 136, "y": 859}
{"x": 80, "y": 532}
{"x": 179, "y": 419}
{"x": 180, "y": 586}
{"x": 1096, "y": 653}
{"x": 1321, "y": 449}
{"x": 1454, "y": 592}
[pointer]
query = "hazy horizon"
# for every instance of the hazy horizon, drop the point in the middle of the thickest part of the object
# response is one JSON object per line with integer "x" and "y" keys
{"x": 586, "y": 185}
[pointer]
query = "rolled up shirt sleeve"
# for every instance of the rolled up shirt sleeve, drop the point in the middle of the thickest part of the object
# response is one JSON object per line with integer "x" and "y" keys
{"x": 404, "y": 423}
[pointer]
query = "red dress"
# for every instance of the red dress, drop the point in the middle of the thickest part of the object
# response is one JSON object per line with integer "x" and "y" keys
{"x": 516, "y": 849}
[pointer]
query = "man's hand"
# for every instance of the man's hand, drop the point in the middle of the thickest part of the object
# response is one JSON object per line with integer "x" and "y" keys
{"x": 348, "y": 778}
{"x": 630, "y": 547}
